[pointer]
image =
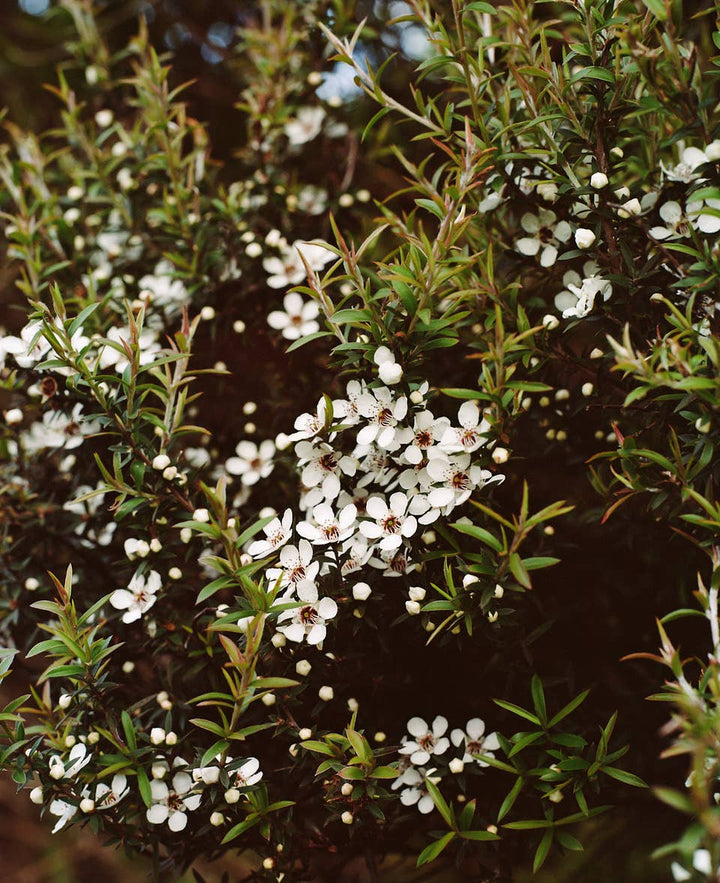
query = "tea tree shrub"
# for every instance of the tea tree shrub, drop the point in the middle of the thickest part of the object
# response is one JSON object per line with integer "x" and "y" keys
{"x": 339, "y": 463}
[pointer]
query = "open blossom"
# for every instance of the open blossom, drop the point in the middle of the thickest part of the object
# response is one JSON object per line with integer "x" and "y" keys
{"x": 246, "y": 775}
{"x": 252, "y": 462}
{"x": 308, "y": 621}
{"x": 295, "y": 566}
{"x": 382, "y": 412}
{"x": 139, "y": 596}
{"x": 277, "y": 533}
{"x": 390, "y": 523}
{"x": 321, "y": 465}
{"x": 676, "y": 222}
{"x": 579, "y": 297}
{"x": 544, "y": 236}
{"x": 458, "y": 478}
{"x": 162, "y": 290}
{"x": 473, "y": 741}
{"x": 58, "y": 430}
{"x": 414, "y": 791}
{"x": 171, "y": 803}
{"x": 427, "y": 430}
{"x": 305, "y": 125}
{"x": 289, "y": 269}
{"x": 471, "y": 433}
{"x": 297, "y": 319}
{"x": 327, "y": 527}
{"x": 106, "y": 796}
{"x": 425, "y": 740}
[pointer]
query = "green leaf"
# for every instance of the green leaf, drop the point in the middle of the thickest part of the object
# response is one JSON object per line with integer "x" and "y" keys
{"x": 516, "y": 709}
{"x": 440, "y": 803}
{"x": 479, "y": 533}
{"x": 623, "y": 776}
{"x": 431, "y": 852}
{"x": 541, "y": 853}
{"x": 568, "y": 709}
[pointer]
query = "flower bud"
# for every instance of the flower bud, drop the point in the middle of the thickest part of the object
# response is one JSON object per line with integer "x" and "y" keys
{"x": 347, "y": 789}
{"x": 599, "y": 180}
{"x": 87, "y": 805}
{"x": 456, "y": 765}
{"x": 361, "y": 591}
{"x": 390, "y": 373}
{"x": 162, "y": 461}
{"x": 347, "y": 818}
{"x": 37, "y": 795}
{"x": 550, "y": 322}
{"x": 201, "y": 515}
{"x": 302, "y": 667}
{"x": 157, "y": 735}
{"x": 500, "y": 455}
{"x": 584, "y": 238}
{"x": 412, "y": 607}
{"x": 232, "y": 795}
{"x": 326, "y": 693}
{"x": 217, "y": 819}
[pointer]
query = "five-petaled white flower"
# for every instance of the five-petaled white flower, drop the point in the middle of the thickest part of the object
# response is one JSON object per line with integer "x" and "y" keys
{"x": 326, "y": 526}
{"x": 471, "y": 433}
{"x": 305, "y": 125}
{"x": 425, "y": 741}
{"x": 252, "y": 462}
{"x": 298, "y": 318}
{"x": 277, "y": 533}
{"x": 139, "y": 596}
{"x": 474, "y": 741}
{"x": 309, "y": 620}
{"x": 391, "y": 522}
{"x": 170, "y": 804}
{"x": 246, "y": 775}
{"x": 544, "y": 236}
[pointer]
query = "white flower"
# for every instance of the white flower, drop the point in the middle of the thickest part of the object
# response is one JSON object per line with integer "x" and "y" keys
{"x": 470, "y": 436}
{"x": 296, "y": 565}
{"x": 162, "y": 290}
{"x": 305, "y": 126}
{"x": 312, "y": 200}
{"x": 473, "y": 741}
{"x": 326, "y": 527}
{"x": 426, "y": 741}
{"x": 544, "y": 236}
{"x": 427, "y": 431}
{"x": 277, "y": 533}
{"x": 64, "y": 810}
{"x": 246, "y": 775}
{"x": 676, "y": 222}
{"x": 289, "y": 269}
{"x": 309, "y": 620}
{"x": 415, "y": 792}
{"x": 139, "y": 596}
{"x": 298, "y": 318}
{"x": 701, "y": 219}
{"x": 320, "y": 467}
{"x": 383, "y": 412}
{"x": 391, "y": 522}
{"x": 58, "y": 430}
{"x": 171, "y": 804}
{"x": 252, "y": 462}
{"x": 107, "y": 796}
{"x": 578, "y": 299}
{"x": 691, "y": 158}
{"x": 311, "y": 425}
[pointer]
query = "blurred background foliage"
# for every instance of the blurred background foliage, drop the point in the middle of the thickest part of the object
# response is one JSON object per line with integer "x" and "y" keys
{"x": 648, "y": 565}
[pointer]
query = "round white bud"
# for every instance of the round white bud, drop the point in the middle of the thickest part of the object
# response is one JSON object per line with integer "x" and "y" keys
{"x": 599, "y": 180}
{"x": 239, "y": 326}
{"x": 201, "y": 515}
{"x": 93, "y": 737}
{"x": 171, "y": 738}
{"x": 347, "y": 817}
{"x": 412, "y": 607}
{"x": 36, "y": 795}
{"x": 207, "y": 313}
{"x": 303, "y": 667}
{"x": 584, "y": 238}
{"x": 175, "y": 573}
{"x": 416, "y": 593}
{"x": 456, "y": 765}
{"x": 31, "y": 584}
{"x": 361, "y": 591}
{"x": 157, "y": 735}
{"x": 64, "y": 700}
{"x": 550, "y": 322}
{"x": 87, "y": 805}
{"x": 500, "y": 455}
{"x": 104, "y": 118}
{"x": 587, "y": 389}
{"x": 232, "y": 795}
{"x": 217, "y": 819}
{"x": 326, "y": 693}
{"x": 347, "y": 789}
{"x": 253, "y": 250}
{"x": 390, "y": 373}
{"x": 162, "y": 461}
{"x": 305, "y": 733}
{"x": 278, "y": 640}
{"x": 57, "y": 770}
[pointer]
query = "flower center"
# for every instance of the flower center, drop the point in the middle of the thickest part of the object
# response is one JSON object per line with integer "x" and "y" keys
{"x": 328, "y": 462}
{"x": 308, "y": 615}
{"x": 391, "y": 524}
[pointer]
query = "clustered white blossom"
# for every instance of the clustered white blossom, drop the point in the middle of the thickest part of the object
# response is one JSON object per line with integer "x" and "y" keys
{"x": 428, "y": 744}
{"x": 374, "y": 467}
